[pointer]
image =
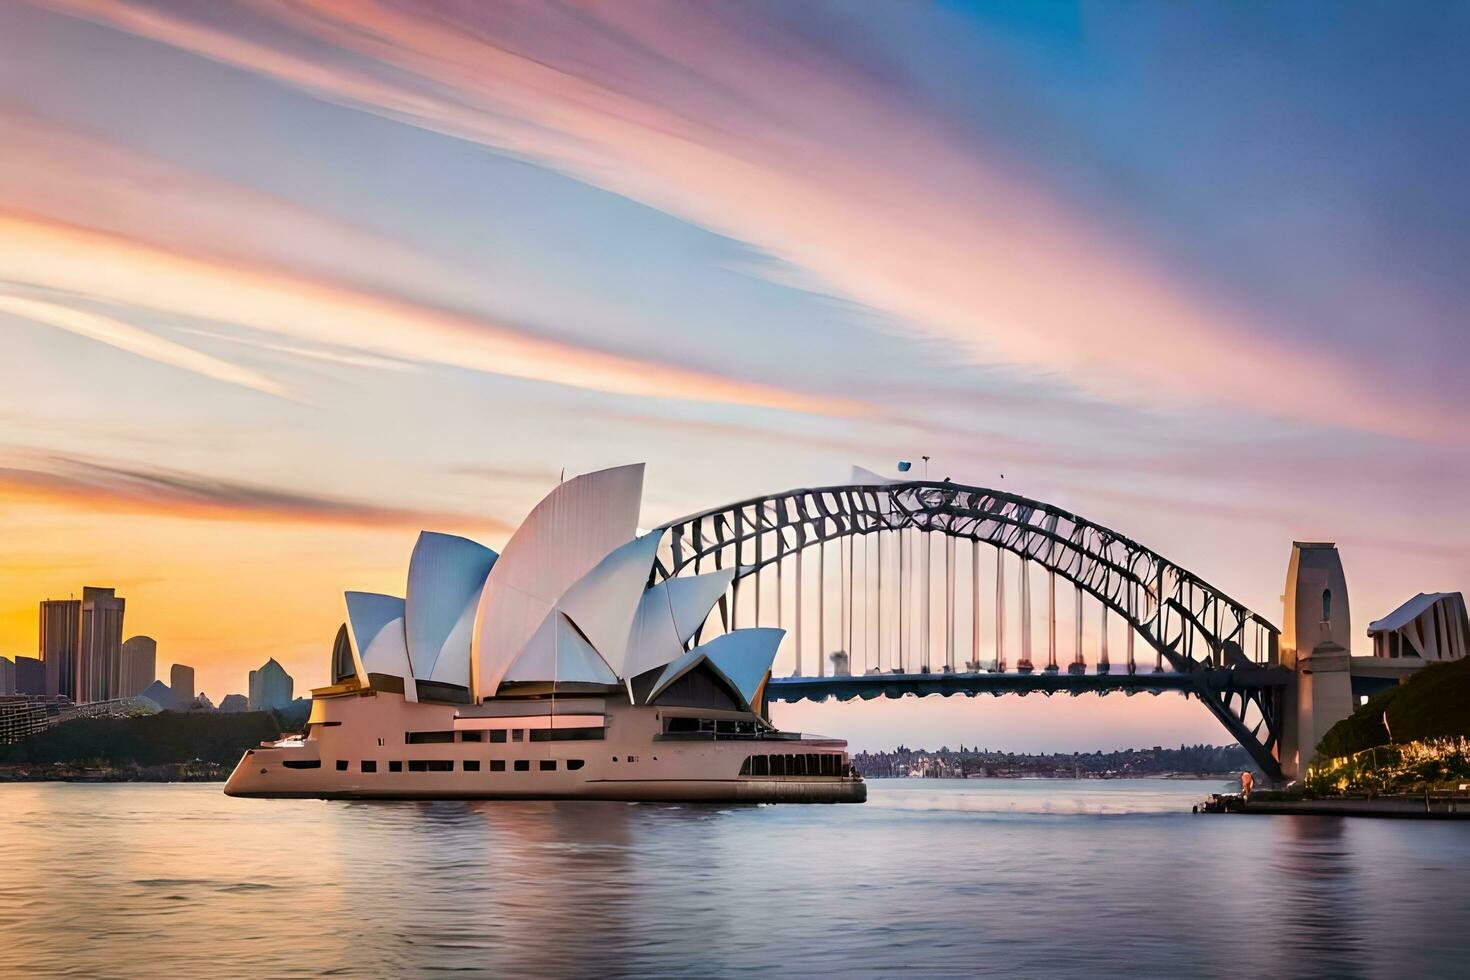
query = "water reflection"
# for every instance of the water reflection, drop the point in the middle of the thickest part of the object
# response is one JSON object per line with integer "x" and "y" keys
{"x": 1325, "y": 924}
{"x": 1058, "y": 878}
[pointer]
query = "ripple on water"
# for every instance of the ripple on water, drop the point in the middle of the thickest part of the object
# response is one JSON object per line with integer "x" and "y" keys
{"x": 1016, "y": 878}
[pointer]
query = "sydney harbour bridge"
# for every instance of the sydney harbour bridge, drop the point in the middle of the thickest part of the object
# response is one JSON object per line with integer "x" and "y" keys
{"x": 889, "y": 588}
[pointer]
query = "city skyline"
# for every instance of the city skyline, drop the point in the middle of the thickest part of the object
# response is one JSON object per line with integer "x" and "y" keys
{"x": 281, "y": 291}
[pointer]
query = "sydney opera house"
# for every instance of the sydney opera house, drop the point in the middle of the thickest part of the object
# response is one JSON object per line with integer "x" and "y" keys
{"x": 554, "y": 669}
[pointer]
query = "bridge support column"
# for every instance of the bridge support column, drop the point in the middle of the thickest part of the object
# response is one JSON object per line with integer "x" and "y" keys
{"x": 1323, "y": 696}
{"x": 1314, "y": 645}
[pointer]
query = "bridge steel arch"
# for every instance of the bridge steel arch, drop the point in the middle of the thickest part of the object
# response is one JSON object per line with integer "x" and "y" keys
{"x": 1226, "y": 654}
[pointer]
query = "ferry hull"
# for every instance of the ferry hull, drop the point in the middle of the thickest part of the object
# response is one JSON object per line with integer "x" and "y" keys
{"x": 372, "y": 745}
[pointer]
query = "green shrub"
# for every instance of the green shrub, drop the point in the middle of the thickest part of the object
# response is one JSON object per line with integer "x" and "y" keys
{"x": 1434, "y": 703}
{"x": 153, "y": 740}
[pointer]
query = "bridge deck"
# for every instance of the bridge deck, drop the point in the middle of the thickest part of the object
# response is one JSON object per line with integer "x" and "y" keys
{"x": 869, "y": 686}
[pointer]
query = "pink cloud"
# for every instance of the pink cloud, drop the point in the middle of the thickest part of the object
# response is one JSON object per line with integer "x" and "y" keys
{"x": 690, "y": 109}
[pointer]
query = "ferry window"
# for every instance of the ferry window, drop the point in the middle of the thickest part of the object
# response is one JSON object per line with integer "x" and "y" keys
{"x": 681, "y": 725}
{"x": 369, "y": 767}
{"x": 430, "y": 765}
{"x": 341, "y": 765}
{"x": 472, "y": 765}
{"x": 517, "y": 734}
{"x": 302, "y": 763}
{"x": 745, "y": 767}
{"x": 778, "y": 765}
{"x": 497, "y": 765}
{"x": 548, "y": 765}
{"x": 575, "y": 764}
{"x": 725, "y": 727}
{"x": 566, "y": 734}
{"x": 498, "y": 735}
{"x": 707, "y": 725}
{"x": 427, "y": 738}
{"x": 395, "y": 767}
{"x": 472, "y": 736}
{"x": 523, "y": 765}
{"x": 761, "y": 766}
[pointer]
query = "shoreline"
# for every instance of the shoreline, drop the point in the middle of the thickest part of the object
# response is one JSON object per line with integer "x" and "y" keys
{"x": 1391, "y": 807}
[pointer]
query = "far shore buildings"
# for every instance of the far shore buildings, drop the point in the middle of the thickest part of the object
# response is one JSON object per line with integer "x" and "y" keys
{"x": 181, "y": 683}
{"x": 30, "y": 676}
{"x": 81, "y": 645}
{"x": 7, "y": 676}
{"x": 270, "y": 687}
{"x": 139, "y": 665}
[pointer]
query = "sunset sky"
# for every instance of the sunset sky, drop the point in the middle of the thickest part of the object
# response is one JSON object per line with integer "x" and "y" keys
{"x": 282, "y": 283}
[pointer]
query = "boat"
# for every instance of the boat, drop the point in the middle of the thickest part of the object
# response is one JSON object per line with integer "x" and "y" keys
{"x": 562, "y": 667}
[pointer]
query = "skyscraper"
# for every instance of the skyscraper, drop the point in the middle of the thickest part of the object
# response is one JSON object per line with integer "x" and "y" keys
{"x": 61, "y": 645}
{"x": 181, "y": 682}
{"x": 102, "y": 632}
{"x": 30, "y": 676}
{"x": 7, "y": 676}
{"x": 270, "y": 686}
{"x": 81, "y": 645}
{"x": 139, "y": 665}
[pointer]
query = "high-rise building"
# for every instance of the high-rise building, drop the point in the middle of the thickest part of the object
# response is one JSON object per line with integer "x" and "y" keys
{"x": 270, "y": 686}
{"x": 102, "y": 633}
{"x": 181, "y": 682}
{"x": 30, "y": 676}
{"x": 81, "y": 645}
{"x": 7, "y": 676}
{"x": 139, "y": 665}
{"x": 61, "y": 645}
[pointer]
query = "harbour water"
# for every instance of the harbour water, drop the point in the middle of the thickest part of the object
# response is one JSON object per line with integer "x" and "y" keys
{"x": 930, "y": 877}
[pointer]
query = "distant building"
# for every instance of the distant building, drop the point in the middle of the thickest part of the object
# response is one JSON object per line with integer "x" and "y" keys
{"x": 270, "y": 687}
{"x": 7, "y": 676}
{"x": 22, "y": 717}
{"x": 102, "y": 632}
{"x": 30, "y": 676}
{"x": 159, "y": 694}
{"x": 1431, "y": 626}
{"x": 201, "y": 703}
{"x": 139, "y": 665}
{"x": 181, "y": 682}
{"x": 81, "y": 645}
{"x": 232, "y": 703}
{"x": 61, "y": 645}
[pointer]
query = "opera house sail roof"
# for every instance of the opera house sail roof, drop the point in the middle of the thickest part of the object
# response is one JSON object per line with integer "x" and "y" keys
{"x": 567, "y": 602}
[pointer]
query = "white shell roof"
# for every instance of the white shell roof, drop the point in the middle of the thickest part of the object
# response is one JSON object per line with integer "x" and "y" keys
{"x": 742, "y": 657}
{"x": 669, "y": 614}
{"x": 559, "y": 653}
{"x": 375, "y": 625}
{"x": 572, "y": 529}
{"x": 445, "y": 577}
{"x": 604, "y": 602}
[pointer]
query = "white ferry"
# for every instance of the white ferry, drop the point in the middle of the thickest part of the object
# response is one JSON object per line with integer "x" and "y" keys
{"x": 552, "y": 670}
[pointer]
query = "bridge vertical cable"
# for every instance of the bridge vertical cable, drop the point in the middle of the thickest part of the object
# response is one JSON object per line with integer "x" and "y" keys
{"x": 1000, "y": 611}
{"x": 974, "y": 664}
{"x": 949, "y": 660}
{"x": 822, "y": 609}
{"x": 796, "y": 610}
